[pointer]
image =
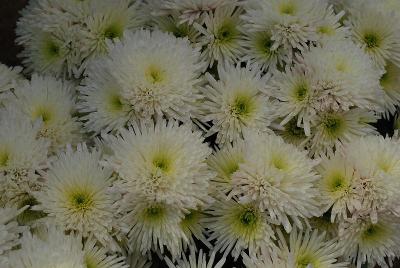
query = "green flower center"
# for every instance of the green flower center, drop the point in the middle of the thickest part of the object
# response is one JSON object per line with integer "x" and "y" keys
{"x": 248, "y": 217}
{"x": 81, "y": 201}
{"x": 190, "y": 219}
{"x": 162, "y": 163}
{"x": 51, "y": 49}
{"x": 154, "y": 212}
{"x": 374, "y": 233}
{"x": 154, "y": 74}
{"x": 304, "y": 260}
{"x": 44, "y": 113}
{"x": 264, "y": 43}
{"x": 333, "y": 125}
{"x": 326, "y": 30}
{"x": 115, "y": 103}
{"x": 113, "y": 31}
{"x": 279, "y": 162}
{"x": 337, "y": 183}
{"x": 226, "y": 32}
{"x": 242, "y": 106}
{"x": 371, "y": 40}
{"x": 90, "y": 263}
{"x": 301, "y": 92}
{"x": 287, "y": 8}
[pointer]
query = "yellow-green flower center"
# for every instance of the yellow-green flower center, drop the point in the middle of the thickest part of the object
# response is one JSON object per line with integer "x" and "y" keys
{"x": 81, "y": 200}
{"x": 301, "y": 91}
{"x": 303, "y": 260}
{"x": 242, "y": 106}
{"x": 333, "y": 125}
{"x": 372, "y": 40}
{"x": 287, "y": 8}
{"x": 4, "y": 157}
{"x": 226, "y": 32}
{"x": 154, "y": 74}
{"x": 113, "y": 31}
{"x": 114, "y": 103}
{"x": 264, "y": 43}
{"x": 43, "y": 112}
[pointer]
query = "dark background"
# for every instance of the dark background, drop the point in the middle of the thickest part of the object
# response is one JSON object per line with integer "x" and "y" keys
{"x": 9, "y": 13}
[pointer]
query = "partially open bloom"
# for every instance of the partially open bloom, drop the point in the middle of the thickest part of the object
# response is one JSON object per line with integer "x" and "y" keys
{"x": 10, "y": 78}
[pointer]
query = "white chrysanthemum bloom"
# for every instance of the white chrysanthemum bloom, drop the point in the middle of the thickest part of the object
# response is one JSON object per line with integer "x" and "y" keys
{"x": 191, "y": 10}
{"x": 235, "y": 103}
{"x": 373, "y": 243}
{"x": 101, "y": 101}
{"x": 10, "y": 78}
{"x": 192, "y": 226}
{"x": 50, "y": 101}
{"x": 75, "y": 194}
{"x": 55, "y": 250}
{"x": 52, "y": 39}
{"x": 390, "y": 81}
{"x": 22, "y": 156}
{"x": 98, "y": 257}
{"x": 136, "y": 260}
{"x": 163, "y": 162}
{"x": 196, "y": 261}
{"x": 292, "y": 24}
{"x": 258, "y": 51}
{"x": 337, "y": 187}
{"x": 377, "y": 162}
{"x": 237, "y": 228}
{"x": 222, "y": 35}
{"x": 9, "y": 232}
{"x": 225, "y": 162}
{"x": 310, "y": 249}
{"x": 108, "y": 20}
{"x": 152, "y": 225}
{"x": 376, "y": 30}
{"x": 332, "y": 129}
{"x": 159, "y": 74}
{"x": 279, "y": 178}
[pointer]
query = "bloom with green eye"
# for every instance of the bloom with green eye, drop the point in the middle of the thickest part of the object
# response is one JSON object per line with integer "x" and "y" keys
{"x": 239, "y": 227}
{"x": 222, "y": 35}
{"x": 235, "y": 103}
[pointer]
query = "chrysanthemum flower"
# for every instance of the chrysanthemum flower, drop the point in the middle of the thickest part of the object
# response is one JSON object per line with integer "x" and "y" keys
{"x": 108, "y": 20}
{"x": 10, "y": 78}
{"x": 236, "y": 228}
{"x": 390, "y": 84}
{"x": 337, "y": 187}
{"x": 75, "y": 194}
{"x": 54, "y": 250}
{"x": 22, "y": 156}
{"x": 222, "y": 35}
{"x": 263, "y": 261}
{"x": 9, "y": 232}
{"x": 196, "y": 261}
{"x": 279, "y": 178}
{"x": 291, "y": 24}
{"x": 377, "y": 162}
{"x": 101, "y": 101}
{"x": 258, "y": 51}
{"x": 332, "y": 129}
{"x": 98, "y": 257}
{"x": 373, "y": 243}
{"x": 375, "y": 28}
{"x": 235, "y": 103}
{"x": 50, "y": 101}
{"x": 152, "y": 225}
{"x": 310, "y": 249}
{"x": 225, "y": 162}
{"x": 157, "y": 72}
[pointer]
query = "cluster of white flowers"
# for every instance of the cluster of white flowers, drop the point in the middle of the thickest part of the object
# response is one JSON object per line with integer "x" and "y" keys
{"x": 205, "y": 133}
